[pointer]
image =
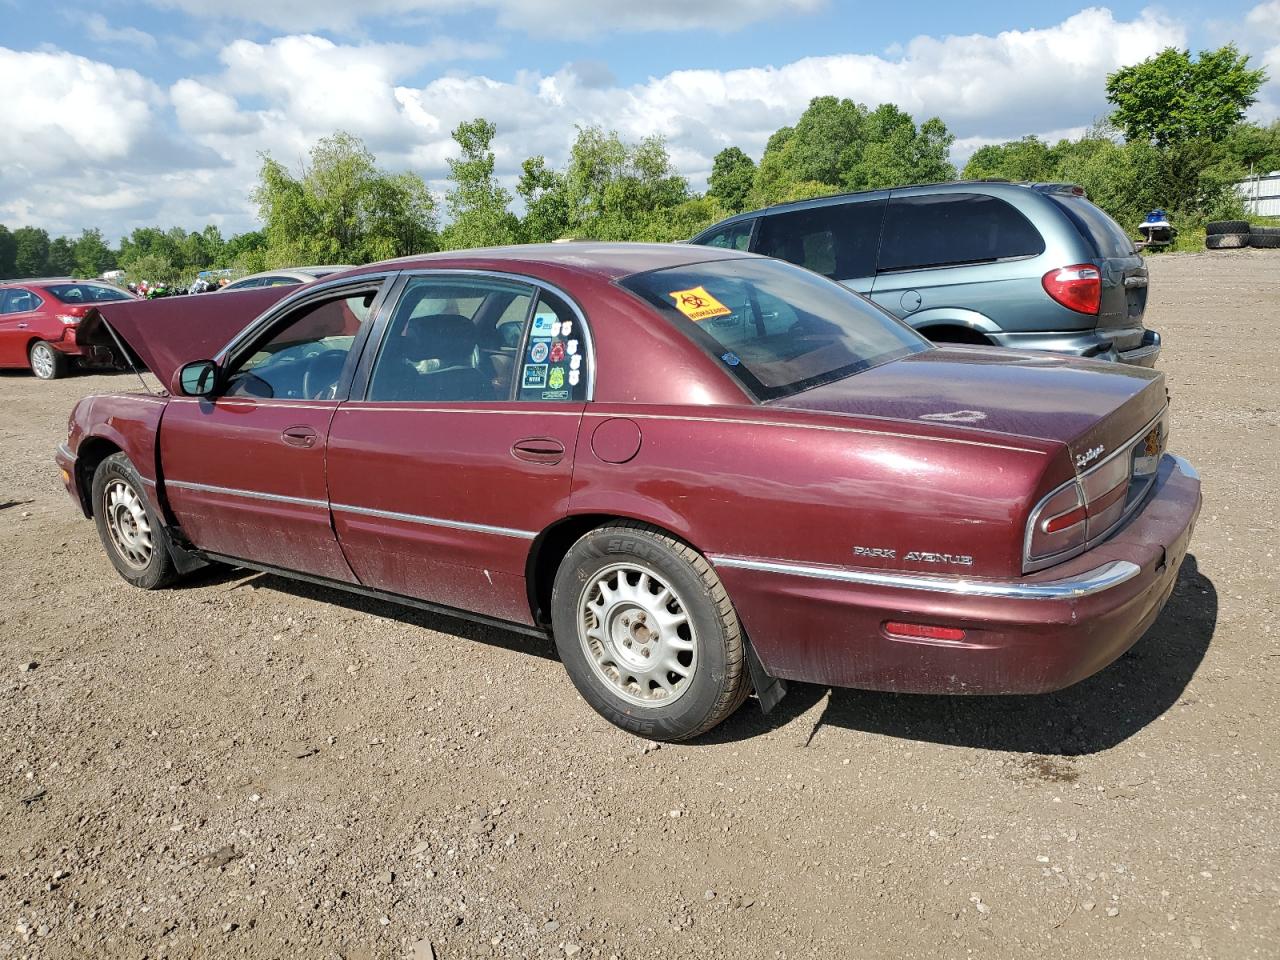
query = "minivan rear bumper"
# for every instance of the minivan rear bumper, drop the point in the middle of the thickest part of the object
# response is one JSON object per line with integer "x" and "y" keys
{"x": 1094, "y": 344}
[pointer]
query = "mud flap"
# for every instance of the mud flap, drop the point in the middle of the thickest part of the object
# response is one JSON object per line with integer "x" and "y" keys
{"x": 184, "y": 560}
{"x": 769, "y": 690}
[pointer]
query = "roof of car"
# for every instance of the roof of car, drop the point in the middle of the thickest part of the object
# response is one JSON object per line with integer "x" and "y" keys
{"x": 37, "y": 281}
{"x": 608, "y": 259}
{"x": 994, "y": 184}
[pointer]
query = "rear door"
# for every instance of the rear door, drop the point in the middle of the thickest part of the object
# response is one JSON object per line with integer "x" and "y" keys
{"x": 837, "y": 240}
{"x": 244, "y": 471}
{"x": 457, "y": 447}
{"x": 1124, "y": 272}
{"x": 958, "y": 252}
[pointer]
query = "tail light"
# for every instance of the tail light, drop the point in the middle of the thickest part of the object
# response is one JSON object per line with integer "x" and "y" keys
{"x": 1078, "y": 287}
{"x": 69, "y": 318}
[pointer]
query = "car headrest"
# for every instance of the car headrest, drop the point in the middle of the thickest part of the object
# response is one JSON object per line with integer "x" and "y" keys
{"x": 449, "y": 338}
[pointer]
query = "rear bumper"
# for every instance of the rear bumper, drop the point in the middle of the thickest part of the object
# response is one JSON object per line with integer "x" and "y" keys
{"x": 1031, "y": 635}
{"x": 1094, "y": 344}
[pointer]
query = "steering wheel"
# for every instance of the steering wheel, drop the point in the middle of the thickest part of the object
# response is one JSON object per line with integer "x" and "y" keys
{"x": 323, "y": 370}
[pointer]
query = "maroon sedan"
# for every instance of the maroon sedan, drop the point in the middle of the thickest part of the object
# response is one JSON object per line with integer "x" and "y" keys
{"x": 704, "y": 472}
{"x": 38, "y": 321}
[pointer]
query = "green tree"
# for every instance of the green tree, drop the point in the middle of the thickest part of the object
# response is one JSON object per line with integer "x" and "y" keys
{"x": 31, "y": 252}
{"x": 1027, "y": 160}
{"x": 62, "y": 257}
{"x": 1171, "y": 98}
{"x": 896, "y": 152}
{"x": 546, "y": 205}
{"x": 8, "y": 249}
{"x": 341, "y": 209}
{"x": 732, "y": 174}
{"x": 92, "y": 255}
{"x": 476, "y": 202}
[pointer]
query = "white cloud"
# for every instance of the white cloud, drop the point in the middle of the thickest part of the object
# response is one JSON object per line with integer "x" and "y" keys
{"x": 560, "y": 18}
{"x": 99, "y": 28}
{"x": 1263, "y": 22}
{"x": 281, "y": 96}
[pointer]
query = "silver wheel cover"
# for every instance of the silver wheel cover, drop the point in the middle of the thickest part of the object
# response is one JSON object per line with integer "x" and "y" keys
{"x": 637, "y": 635}
{"x": 127, "y": 524}
{"x": 42, "y": 361}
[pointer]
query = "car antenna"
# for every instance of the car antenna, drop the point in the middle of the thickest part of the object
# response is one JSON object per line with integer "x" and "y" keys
{"x": 128, "y": 358}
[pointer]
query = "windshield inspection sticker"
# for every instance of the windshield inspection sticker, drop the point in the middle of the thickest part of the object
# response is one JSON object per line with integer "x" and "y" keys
{"x": 698, "y": 305}
{"x": 535, "y": 376}
{"x": 538, "y": 352}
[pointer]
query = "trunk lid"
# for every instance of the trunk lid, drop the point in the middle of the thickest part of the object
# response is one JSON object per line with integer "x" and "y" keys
{"x": 1084, "y": 404}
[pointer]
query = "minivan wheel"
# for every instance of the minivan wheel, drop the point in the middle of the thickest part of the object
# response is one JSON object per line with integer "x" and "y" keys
{"x": 132, "y": 536}
{"x": 46, "y": 362}
{"x": 647, "y": 633}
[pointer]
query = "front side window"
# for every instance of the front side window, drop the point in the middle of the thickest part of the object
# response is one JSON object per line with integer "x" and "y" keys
{"x": 777, "y": 329}
{"x": 952, "y": 229}
{"x": 836, "y": 240}
{"x": 74, "y": 293}
{"x": 736, "y": 236}
{"x": 304, "y": 359}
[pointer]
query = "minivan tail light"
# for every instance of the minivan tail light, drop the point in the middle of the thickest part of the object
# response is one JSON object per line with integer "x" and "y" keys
{"x": 1077, "y": 287}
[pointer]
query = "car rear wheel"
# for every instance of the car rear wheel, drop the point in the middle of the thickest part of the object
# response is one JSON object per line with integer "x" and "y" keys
{"x": 647, "y": 633}
{"x": 131, "y": 534}
{"x": 47, "y": 363}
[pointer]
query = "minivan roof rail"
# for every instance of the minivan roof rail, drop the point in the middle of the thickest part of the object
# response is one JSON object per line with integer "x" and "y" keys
{"x": 1069, "y": 189}
{"x": 909, "y": 186}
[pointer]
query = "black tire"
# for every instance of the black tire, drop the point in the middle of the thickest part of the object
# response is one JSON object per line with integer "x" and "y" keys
{"x": 1226, "y": 241}
{"x": 1218, "y": 227}
{"x": 1265, "y": 241}
{"x": 1264, "y": 231}
{"x": 116, "y": 479}
{"x": 47, "y": 362}
{"x": 718, "y": 682}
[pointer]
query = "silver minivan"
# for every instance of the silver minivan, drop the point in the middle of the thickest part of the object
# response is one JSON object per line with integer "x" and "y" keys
{"x": 1033, "y": 266}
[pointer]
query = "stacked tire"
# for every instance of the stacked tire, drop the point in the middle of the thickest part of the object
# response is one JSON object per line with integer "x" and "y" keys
{"x": 1267, "y": 238}
{"x": 1227, "y": 234}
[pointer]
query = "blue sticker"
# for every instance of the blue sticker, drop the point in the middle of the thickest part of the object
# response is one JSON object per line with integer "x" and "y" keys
{"x": 543, "y": 325}
{"x": 535, "y": 376}
{"x": 730, "y": 358}
{"x": 538, "y": 352}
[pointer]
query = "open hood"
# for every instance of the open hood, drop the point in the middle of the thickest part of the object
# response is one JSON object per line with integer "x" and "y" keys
{"x": 162, "y": 335}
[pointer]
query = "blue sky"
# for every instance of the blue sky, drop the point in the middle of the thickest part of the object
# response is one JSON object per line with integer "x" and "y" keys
{"x": 129, "y": 113}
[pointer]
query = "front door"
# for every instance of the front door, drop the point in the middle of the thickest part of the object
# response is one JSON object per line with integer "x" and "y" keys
{"x": 17, "y": 316}
{"x": 244, "y": 471}
{"x": 460, "y": 448}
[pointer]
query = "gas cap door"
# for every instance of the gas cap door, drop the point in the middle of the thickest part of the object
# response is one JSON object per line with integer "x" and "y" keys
{"x": 911, "y": 301}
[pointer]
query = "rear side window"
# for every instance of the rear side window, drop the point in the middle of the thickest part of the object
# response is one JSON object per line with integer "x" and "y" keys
{"x": 736, "y": 236}
{"x": 837, "y": 240}
{"x": 74, "y": 293}
{"x": 948, "y": 229}
{"x": 1097, "y": 229}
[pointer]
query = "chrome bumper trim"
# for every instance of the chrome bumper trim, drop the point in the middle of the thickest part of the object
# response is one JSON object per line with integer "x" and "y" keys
{"x": 1086, "y": 584}
{"x": 66, "y": 452}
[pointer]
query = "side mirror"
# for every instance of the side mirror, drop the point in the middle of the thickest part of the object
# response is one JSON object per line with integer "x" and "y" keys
{"x": 198, "y": 379}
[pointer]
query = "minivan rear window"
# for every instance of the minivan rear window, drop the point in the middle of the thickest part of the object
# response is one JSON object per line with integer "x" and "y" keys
{"x": 951, "y": 229}
{"x": 1106, "y": 236}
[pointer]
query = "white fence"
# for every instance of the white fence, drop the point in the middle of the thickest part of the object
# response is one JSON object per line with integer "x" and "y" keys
{"x": 1261, "y": 195}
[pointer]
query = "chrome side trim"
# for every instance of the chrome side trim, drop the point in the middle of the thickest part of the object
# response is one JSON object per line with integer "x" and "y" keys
{"x": 1086, "y": 584}
{"x": 247, "y": 494}
{"x": 435, "y": 521}
{"x": 66, "y": 452}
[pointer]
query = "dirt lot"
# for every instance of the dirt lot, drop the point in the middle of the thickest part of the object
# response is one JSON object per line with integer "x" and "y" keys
{"x": 248, "y": 767}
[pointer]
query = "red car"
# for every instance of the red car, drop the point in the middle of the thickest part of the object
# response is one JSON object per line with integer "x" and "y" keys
{"x": 702, "y": 471}
{"x": 38, "y": 321}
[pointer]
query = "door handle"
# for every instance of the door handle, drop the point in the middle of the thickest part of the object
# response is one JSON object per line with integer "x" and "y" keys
{"x": 299, "y": 436}
{"x": 538, "y": 450}
{"x": 23, "y": 325}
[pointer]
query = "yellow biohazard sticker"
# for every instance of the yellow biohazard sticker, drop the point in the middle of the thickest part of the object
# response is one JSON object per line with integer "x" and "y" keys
{"x": 698, "y": 305}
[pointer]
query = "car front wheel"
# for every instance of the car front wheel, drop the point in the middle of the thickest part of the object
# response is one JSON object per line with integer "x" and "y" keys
{"x": 647, "y": 633}
{"x": 130, "y": 532}
{"x": 47, "y": 363}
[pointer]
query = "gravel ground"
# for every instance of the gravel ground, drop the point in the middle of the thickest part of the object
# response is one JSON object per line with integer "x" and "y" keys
{"x": 248, "y": 767}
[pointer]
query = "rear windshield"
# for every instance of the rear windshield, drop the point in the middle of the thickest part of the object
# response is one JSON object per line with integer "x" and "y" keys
{"x": 1106, "y": 236}
{"x": 775, "y": 327}
{"x": 87, "y": 292}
